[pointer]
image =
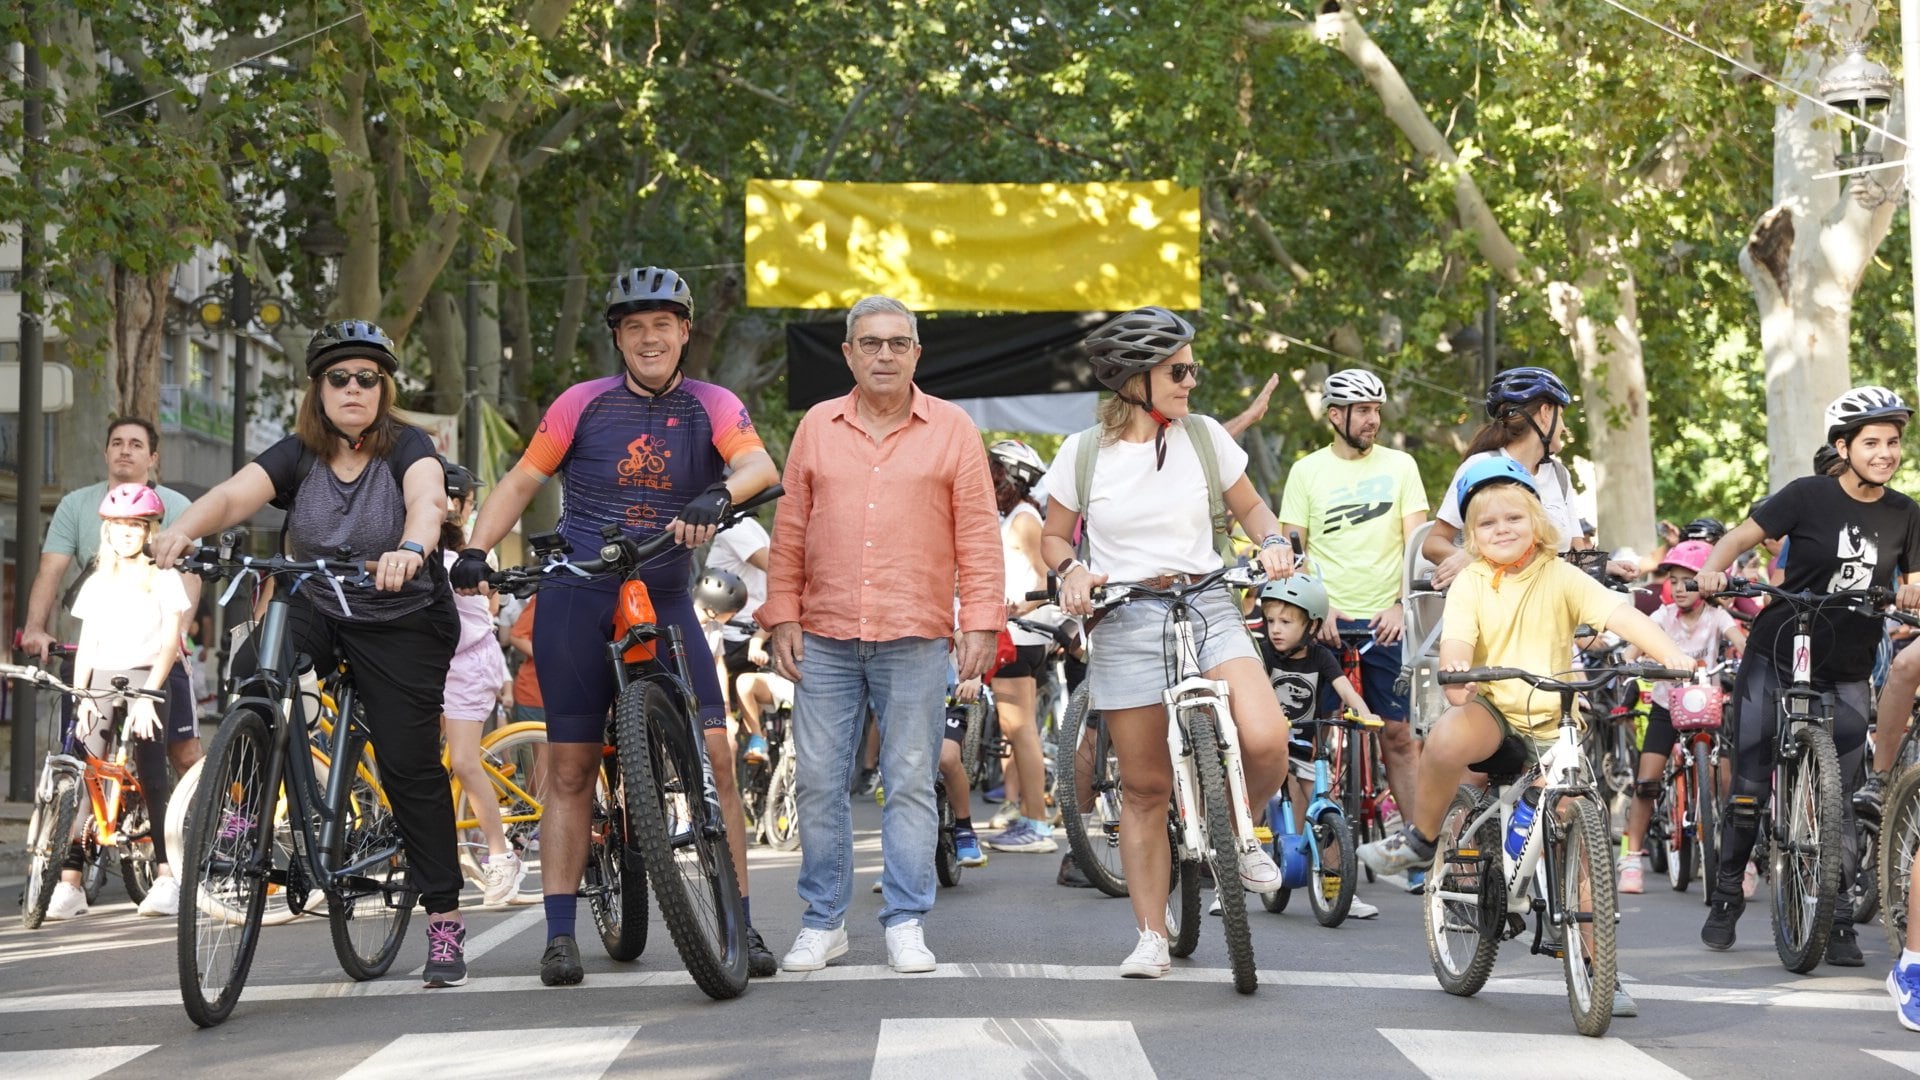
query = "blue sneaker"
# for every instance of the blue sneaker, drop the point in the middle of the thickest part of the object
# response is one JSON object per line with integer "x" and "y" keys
{"x": 1024, "y": 835}
{"x": 1903, "y": 982}
{"x": 995, "y": 794}
{"x": 968, "y": 846}
{"x": 1416, "y": 880}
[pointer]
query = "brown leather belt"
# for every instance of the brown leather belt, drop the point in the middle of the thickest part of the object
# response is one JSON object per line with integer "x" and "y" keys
{"x": 1168, "y": 581}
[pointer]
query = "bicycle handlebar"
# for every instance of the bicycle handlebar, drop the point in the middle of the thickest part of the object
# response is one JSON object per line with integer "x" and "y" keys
{"x": 1546, "y": 682}
{"x": 1115, "y": 593}
{"x": 617, "y": 555}
{"x": 42, "y": 677}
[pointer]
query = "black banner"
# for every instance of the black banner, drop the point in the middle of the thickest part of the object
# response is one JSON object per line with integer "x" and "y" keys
{"x": 963, "y": 356}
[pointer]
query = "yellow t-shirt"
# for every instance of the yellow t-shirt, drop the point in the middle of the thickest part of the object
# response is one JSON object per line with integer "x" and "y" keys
{"x": 1353, "y": 511}
{"x": 1527, "y": 623}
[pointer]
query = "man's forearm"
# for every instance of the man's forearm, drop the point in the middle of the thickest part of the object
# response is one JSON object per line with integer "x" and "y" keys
{"x": 46, "y": 583}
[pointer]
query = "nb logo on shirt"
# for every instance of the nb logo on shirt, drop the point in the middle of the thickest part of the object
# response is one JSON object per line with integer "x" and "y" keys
{"x": 1341, "y": 516}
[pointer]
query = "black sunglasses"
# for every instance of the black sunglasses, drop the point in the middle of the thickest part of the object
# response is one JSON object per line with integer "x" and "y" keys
{"x": 1178, "y": 372}
{"x": 367, "y": 379}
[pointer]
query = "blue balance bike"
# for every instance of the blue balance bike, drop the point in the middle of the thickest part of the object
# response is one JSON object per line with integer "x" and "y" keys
{"x": 1321, "y": 859}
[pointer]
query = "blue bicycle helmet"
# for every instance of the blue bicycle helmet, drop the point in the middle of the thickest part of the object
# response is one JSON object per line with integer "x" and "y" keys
{"x": 1516, "y": 387}
{"x": 1498, "y": 469}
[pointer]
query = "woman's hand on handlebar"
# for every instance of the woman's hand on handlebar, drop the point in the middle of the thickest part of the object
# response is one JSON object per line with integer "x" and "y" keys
{"x": 167, "y": 548}
{"x": 1076, "y": 590}
{"x": 1276, "y": 560}
{"x": 396, "y": 568}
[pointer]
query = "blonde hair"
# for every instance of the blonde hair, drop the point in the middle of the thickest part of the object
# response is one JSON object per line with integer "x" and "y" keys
{"x": 108, "y": 561}
{"x": 1115, "y": 412}
{"x": 1545, "y": 536}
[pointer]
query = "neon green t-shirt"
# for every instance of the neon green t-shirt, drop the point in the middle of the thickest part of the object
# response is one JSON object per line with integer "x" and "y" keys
{"x": 1353, "y": 512}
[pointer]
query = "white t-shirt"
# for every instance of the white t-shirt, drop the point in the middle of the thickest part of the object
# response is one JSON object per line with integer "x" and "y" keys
{"x": 730, "y": 552}
{"x": 126, "y": 624}
{"x": 1556, "y": 497}
{"x": 1142, "y": 522}
{"x": 1021, "y": 579}
{"x": 1700, "y": 641}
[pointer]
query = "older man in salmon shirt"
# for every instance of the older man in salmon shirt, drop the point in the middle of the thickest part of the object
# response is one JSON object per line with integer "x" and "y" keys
{"x": 889, "y": 513}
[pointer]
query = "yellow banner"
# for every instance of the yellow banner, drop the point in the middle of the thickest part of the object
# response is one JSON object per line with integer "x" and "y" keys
{"x": 974, "y": 247}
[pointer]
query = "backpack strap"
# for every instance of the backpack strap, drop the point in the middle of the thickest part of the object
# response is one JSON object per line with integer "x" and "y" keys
{"x": 1202, "y": 441}
{"x": 1083, "y": 461}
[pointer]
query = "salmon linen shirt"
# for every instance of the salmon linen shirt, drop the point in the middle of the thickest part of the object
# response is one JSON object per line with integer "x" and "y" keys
{"x": 872, "y": 540}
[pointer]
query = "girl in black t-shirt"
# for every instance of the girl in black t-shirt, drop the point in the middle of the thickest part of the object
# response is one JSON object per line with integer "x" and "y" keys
{"x": 1846, "y": 531}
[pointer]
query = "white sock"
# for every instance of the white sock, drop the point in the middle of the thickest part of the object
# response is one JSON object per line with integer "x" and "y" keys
{"x": 1908, "y": 956}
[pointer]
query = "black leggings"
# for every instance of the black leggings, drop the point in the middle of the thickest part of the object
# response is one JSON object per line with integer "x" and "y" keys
{"x": 1756, "y": 733}
{"x": 399, "y": 672}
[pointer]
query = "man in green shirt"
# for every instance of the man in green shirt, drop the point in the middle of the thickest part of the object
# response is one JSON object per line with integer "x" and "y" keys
{"x": 73, "y": 537}
{"x": 1356, "y": 504}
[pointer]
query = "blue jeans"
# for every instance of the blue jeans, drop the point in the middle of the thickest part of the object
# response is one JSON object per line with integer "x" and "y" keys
{"x": 906, "y": 680}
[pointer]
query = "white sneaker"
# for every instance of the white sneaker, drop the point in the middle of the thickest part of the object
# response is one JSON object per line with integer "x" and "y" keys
{"x": 504, "y": 873}
{"x": 67, "y": 902}
{"x": 1008, "y": 814}
{"x": 1360, "y": 909}
{"x": 907, "y": 950}
{"x": 1149, "y": 959}
{"x": 163, "y": 898}
{"x": 1258, "y": 872}
{"x": 813, "y": 948}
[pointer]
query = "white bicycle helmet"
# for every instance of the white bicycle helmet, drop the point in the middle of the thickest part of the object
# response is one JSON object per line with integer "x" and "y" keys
{"x": 1864, "y": 405}
{"x": 1021, "y": 461}
{"x": 1353, "y": 386}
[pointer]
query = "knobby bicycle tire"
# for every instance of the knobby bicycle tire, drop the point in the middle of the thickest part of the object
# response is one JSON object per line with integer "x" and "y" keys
{"x": 1462, "y": 939}
{"x": 223, "y": 887}
{"x": 1183, "y": 899}
{"x": 1335, "y": 867}
{"x": 1203, "y": 729}
{"x": 1093, "y": 834}
{"x": 47, "y": 834}
{"x": 1806, "y": 866}
{"x": 1899, "y": 839}
{"x": 367, "y": 917}
{"x": 1587, "y": 897}
{"x": 615, "y": 880}
{"x": 1866, "y": 882}
{"x": 946, "y": 853}
{"x": 137, "y": 867}
{"x": 782, "y": 827}
{"x": 973, "y": 744}
{"x": 680, "y": 839}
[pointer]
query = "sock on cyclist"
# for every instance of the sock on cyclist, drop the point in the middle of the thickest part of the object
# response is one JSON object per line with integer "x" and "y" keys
{"x": 1909, "y": 957}
{"x": 965, "y": 824}
{"x": 746, "y": 910}
{"x": 560, "y": 915}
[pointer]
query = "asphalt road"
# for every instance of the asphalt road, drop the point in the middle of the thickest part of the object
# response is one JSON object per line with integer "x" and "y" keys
{"x": 1026, "y": 987}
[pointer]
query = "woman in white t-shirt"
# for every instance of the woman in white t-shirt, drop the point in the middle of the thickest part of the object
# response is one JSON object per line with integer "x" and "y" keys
{"x": 131, "y": 614}
{"x": 1147, "y": 516}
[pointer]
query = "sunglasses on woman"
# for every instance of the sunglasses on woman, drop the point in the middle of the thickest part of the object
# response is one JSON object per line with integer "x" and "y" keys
{"x": 1178, "y": 373}
{"x": 367, "y": 379}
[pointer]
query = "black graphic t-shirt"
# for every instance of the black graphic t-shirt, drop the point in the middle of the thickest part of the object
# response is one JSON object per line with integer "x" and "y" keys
{"x": 1297, "y": 682}
{"x": 1835, "y": 542}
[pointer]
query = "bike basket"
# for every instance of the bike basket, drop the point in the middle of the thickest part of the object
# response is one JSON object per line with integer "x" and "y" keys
{"x": 1695, "y": 707}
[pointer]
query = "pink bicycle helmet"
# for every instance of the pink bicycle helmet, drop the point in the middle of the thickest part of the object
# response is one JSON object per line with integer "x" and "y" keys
{"x": 132, "y": 501}
{"x": 1691, "y": 555}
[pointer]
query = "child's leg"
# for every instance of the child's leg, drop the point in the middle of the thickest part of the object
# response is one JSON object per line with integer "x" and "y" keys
{"x": 1463, "y": 735}
{"x": 463, "y": 760}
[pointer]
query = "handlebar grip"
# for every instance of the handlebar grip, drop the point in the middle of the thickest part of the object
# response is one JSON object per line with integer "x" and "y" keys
{"x": 1662, "y": 674}
{"x": 1041, "y": 594}
{"x": 1424, "y": 584}
{"x": 1454, "y": 678}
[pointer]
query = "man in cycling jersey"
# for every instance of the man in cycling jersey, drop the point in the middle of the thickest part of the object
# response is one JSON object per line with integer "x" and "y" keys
{"x": 1356, "y": 505}
{"x": 646, "y": 450}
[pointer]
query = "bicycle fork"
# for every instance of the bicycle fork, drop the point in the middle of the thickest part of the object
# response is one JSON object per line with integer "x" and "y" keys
{"x": 1195, "y": 694}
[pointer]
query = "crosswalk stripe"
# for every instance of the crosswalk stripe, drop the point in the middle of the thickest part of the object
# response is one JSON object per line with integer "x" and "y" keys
{"x": 1900, "y": 1059}
{"x": 987, "y": 1049}
{"x": 576, "y": 1053}
{"x": 81, "y": 1063}
{"x": 1469, "y": 1055}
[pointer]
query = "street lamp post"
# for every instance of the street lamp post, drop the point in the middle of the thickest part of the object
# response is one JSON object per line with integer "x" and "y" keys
{"x": 1863, "y": 90}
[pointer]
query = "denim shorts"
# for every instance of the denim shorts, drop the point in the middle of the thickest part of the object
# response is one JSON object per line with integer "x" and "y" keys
{"x": 1131, "y": 653}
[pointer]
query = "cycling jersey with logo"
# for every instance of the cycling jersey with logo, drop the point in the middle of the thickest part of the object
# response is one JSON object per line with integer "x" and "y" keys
{"x": 635, "y": 461}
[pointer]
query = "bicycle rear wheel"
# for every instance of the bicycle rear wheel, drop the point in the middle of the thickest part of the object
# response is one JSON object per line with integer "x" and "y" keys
{"x": 681, "y": 837}
{"x": 1203, "y": 728}
{"x": 223, "y": 881}
{"x": 615, "y": 883}
{"x": 136, "y": 849}
{"x": 1465, "y": 897}
{"x": 368, "y": 911}
{"x": 1093, "y": 833}
{"x": 511, "y": 758}
{"x": 47, "y": 837}
{"x": 1183, "y": 898}
{"x": 1335, "y": 867}
{"x": 946, "y": 855}
{"x": 1588, "y": 903}
{"x": 782, "y": 825}
{"x": 1806, "y": 861}
{"x": 1899, "y": 839}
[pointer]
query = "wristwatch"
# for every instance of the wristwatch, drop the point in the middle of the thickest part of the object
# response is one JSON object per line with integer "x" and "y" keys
{"x": 413, "y": 546}
{"x": 1066, "y": 565}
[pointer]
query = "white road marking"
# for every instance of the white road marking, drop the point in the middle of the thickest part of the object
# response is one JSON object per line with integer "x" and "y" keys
{"x": 988, "y": 1049}
{"x": 1900, "y": 1059}
{"x": 1468, "y": 1055}
{"x": 581, "y": 1053}
{"x": 77, "y": 1064}
{"x": 632, "y": 980}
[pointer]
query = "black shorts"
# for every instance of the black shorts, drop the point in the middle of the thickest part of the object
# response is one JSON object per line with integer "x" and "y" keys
{"x": 1029, "y": 662}
{"x": 1660, "y": 734}
{"x": 956, "y": 726}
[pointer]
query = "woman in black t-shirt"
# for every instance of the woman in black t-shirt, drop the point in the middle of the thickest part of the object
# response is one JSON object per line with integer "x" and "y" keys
{"x": 1846, "y": 531}
{"x": 355, "y": 477}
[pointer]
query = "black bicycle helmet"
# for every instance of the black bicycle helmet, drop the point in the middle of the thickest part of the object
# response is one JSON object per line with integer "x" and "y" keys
{"x": 1824, "y": 460}
{"x": 1518, "y": 387}
{"x": 346, "y": 340}
{"x": 460, "y": 480}
{"x": 1134, "y": 342}
{"x": 647, "y": 288}
{"x": 1704, "y": 528}
{"x": 719, "y": 591}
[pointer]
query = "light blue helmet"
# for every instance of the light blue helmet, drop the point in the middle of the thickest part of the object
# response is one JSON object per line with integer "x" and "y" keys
{"x": 1498, "y": 469}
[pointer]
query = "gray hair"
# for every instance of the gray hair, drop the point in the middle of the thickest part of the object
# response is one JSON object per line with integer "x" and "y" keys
{"x": 881, "y": 305}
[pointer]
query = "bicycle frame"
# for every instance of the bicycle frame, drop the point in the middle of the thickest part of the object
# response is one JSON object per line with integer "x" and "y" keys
{"x": 1193, "y": 691}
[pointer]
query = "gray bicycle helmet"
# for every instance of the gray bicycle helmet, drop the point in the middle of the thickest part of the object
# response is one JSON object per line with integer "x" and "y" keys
{"x": 1134, "y": 342}
{"x": 719, "y": 591}
{"x": 647, "y": 288}
{"x": 1022, "y": 462}
{"x": 1353, "y": 386}
{"x": 1303, "y": 591}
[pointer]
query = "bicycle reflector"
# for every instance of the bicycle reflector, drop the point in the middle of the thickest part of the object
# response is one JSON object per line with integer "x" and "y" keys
{"x": 635, "y": 609}
{"x": 1695, "y": 707}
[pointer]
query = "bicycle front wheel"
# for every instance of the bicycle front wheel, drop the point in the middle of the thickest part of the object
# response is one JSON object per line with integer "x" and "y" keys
{"x": 1465, "y": 897}
{"x": 367, "y": 908}
{"x": 1899, "y": 839}
{"x": 1214, "y": 793}
{"x": 1703, "y": 816}
{"x": 1093, "y": 831}
{"x": 1587, "y": 905}
{"x": 1681, "y": 850}
{"x": 616, "y": 883}
{"x": 681, "y": 838}
{"x": 223, "y": 877}
{"x": 1806, "y": 860}
{"x": 1335, "y": 867}
{"x": 47, "y": 837}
